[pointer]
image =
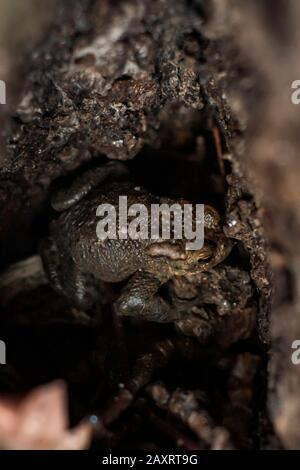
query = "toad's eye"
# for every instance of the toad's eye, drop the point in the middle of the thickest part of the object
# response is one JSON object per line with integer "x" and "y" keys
{"x": 208, "y": 219}
{"x": 211, "y": 217}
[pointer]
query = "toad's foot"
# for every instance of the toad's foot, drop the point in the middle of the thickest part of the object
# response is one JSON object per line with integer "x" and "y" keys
{"x": 140, "y": 299}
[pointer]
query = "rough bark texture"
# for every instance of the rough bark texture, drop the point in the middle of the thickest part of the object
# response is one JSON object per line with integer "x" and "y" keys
{"x": 267, "y": 36}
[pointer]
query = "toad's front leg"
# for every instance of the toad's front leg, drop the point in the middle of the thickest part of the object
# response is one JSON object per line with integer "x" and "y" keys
{"x": 65, "y": 278}
{"x": 139, "y": 298}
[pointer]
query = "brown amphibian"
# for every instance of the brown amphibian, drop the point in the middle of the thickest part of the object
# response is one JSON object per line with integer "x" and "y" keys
{"x": 74, "y": 258}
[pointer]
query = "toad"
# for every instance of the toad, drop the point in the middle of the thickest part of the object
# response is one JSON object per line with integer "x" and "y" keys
{"x": 74, "y": 257}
